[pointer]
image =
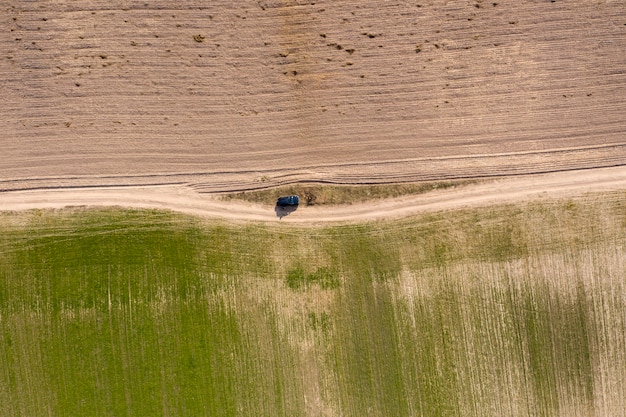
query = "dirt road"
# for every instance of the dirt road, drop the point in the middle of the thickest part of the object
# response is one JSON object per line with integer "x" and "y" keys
{"x": 186, "y": 200}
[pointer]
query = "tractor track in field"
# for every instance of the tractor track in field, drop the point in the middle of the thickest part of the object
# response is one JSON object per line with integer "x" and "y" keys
{"x": 186, "y": 200}
{"x": 456, "y": 167}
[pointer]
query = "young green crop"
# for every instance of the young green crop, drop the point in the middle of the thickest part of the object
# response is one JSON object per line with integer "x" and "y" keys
{"x": 510, "y": 310}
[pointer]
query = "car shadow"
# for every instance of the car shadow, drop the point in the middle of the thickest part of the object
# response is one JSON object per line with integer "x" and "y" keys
{"x": 282, "y": 211}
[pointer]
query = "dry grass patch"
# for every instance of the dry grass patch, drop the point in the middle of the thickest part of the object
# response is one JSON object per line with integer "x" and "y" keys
{"x": 321, "y": 194}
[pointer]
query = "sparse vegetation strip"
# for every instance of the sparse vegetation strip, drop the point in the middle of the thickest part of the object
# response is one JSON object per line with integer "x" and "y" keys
{"x": 322, "y": 194}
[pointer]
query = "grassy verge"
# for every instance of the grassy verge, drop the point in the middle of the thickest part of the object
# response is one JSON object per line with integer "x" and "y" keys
{"x": 512, "y": 310}
{"x": 342, "y": 194}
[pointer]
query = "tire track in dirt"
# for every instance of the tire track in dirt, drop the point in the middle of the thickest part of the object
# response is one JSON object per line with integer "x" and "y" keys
{"x": 425, "y": 169}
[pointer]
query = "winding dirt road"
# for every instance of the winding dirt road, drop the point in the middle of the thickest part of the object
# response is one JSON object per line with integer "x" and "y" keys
{"x": 186, "y": 200}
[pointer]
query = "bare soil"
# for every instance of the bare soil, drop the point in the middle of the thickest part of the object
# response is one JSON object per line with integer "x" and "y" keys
{"x": 225, "y": 96}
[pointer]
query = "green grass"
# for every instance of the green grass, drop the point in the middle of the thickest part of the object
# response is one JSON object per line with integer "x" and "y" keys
{"x": 511, "y": 310}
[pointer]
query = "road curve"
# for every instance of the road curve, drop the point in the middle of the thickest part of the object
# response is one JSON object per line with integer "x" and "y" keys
{"x": 185, "y": 200}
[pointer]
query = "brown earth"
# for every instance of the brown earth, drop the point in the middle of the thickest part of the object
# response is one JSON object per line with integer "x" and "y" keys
{"x": 233, "y": 95}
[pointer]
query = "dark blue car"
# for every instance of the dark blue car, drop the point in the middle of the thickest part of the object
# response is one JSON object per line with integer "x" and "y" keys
{"x": 290, "y": 200}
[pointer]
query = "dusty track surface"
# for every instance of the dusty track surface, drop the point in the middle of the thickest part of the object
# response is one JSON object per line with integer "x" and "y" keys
{"x": 234, "y": 95}
{"x": 188, "y": 201}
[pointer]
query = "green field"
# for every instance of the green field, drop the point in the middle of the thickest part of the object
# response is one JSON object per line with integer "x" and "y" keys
{"x": 505, "y": 311}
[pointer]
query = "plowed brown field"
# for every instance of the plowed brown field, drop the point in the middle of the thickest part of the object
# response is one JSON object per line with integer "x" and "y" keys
{"x": 232, "y": 95}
